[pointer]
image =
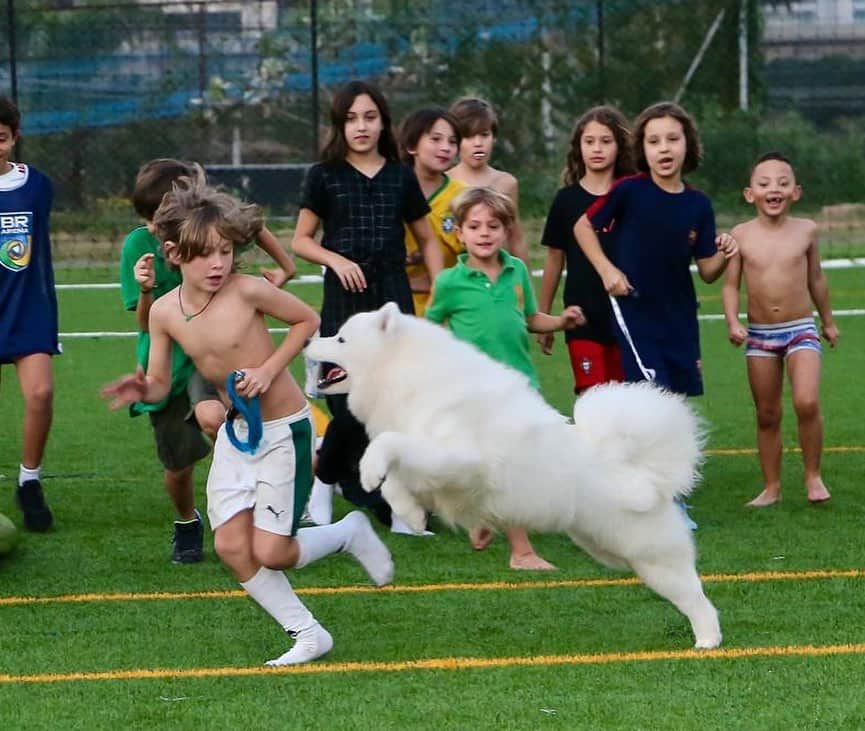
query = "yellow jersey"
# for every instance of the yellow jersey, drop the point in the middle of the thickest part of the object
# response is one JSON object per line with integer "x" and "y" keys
{"x": 444, "y": 226}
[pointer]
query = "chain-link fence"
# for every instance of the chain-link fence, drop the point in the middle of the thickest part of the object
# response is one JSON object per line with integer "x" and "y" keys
{"x": 104, "y": 86}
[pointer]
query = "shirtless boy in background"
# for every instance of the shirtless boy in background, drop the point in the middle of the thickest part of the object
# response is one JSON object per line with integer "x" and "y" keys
{"x": 779, "y": 259}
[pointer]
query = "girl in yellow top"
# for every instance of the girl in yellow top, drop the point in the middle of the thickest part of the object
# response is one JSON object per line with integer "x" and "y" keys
{"x": 429, "y": 142}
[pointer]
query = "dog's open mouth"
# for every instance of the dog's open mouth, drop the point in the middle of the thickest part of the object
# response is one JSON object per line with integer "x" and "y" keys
{"x": 331, "y": 377}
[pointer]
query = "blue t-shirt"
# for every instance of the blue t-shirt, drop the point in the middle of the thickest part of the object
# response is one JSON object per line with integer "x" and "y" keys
{"x": 28, "y": 303}
{"x": 654, "y": 236}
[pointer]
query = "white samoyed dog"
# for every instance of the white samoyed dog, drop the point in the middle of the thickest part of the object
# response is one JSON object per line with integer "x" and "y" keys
{"x": 456, "y": 433}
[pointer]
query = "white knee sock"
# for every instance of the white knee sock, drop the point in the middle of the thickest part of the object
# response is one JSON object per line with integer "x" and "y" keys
{"x": 321, "y": 541}
{"x": 25, "y": 473}
{"x": 273, "y": 592}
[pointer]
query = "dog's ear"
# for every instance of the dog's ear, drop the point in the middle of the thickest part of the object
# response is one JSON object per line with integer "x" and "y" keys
{"x": 388, "y": 315}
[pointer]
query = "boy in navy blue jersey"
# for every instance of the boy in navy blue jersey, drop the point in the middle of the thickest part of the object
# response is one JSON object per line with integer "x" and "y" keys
{"x": 28, "y": 308}
{"x": 659, "y": 225}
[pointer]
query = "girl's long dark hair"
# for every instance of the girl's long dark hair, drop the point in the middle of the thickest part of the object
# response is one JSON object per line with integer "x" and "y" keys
{"x": 615, "y": 121}
{"x": 336, "y": 147}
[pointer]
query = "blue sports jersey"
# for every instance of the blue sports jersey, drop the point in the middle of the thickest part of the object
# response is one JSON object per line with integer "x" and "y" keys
{"x": 28, "y": 303}
{"x": 654, "y": 236}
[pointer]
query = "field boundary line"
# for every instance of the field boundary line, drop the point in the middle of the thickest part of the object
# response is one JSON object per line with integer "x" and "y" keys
{"x": 98, "y": 334}
{"x": 850, "y": 263}
{"x": 446, "y": 663}
{"x": 739, "y": 451}
{"x": 748, "y": 577}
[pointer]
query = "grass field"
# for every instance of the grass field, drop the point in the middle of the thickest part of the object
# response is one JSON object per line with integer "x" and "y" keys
{"x": 97, "y": 628}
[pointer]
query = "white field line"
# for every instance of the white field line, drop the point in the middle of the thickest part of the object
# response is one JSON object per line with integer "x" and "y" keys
{"x": 302, "y": 279}
{"x": 279, "y": 330}
{"x": 317, "y": 278}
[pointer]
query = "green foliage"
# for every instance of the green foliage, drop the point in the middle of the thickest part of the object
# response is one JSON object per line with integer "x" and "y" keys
{"x": 539, "y": 79}
{"x": 830, "y": 164}
{"x": 43, "y": 32}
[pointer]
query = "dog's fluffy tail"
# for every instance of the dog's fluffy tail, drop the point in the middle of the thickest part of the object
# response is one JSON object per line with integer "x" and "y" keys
{"x": 654, "y": 434}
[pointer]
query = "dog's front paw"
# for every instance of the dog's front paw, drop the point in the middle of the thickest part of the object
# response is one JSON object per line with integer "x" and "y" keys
{"x": 374, "y": 466}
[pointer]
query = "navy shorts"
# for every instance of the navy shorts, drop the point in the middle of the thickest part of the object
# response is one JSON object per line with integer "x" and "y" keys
{"x": 658, "y": 351}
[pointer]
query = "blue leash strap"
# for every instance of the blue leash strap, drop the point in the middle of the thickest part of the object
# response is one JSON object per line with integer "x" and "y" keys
{"x": 249, "y": 409}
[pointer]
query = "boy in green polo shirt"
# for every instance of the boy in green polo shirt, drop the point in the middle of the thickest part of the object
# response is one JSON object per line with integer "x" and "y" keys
{"x": 487, "y": 300}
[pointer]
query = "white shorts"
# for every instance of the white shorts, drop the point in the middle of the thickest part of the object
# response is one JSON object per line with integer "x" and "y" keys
{"x": 274, "y": 482}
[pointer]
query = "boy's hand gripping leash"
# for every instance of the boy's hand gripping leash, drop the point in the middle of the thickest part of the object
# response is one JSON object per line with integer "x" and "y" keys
{"x": 249, "y": 409}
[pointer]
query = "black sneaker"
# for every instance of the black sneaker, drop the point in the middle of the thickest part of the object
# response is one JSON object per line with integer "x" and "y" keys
{"x": 37, "y": 514}
{"x": 187, "y": 541}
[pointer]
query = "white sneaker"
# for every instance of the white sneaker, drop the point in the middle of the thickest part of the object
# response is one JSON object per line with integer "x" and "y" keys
{"x": 320, "y": 506}
{"x": 398, "y": 525}
{"x": 309, "y": 644}
{"x": 368, "y": 549}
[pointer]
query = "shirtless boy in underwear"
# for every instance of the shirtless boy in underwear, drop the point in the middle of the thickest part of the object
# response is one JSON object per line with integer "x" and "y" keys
{"x": 781, "y": 265}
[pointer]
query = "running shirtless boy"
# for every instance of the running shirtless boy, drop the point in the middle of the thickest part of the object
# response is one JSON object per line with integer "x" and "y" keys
{"x": 255, "y": 496}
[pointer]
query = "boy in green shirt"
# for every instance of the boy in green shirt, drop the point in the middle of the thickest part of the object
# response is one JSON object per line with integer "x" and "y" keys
{"x": 487, "y": 299}
{"x": 192, "y": 405}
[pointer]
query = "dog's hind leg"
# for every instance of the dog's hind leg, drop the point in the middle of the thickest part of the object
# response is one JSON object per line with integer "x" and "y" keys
{"x": 599, "y": 554}
{"x": 678, "y": 581}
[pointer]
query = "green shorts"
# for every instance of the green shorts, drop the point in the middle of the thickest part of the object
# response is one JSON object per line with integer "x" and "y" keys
{"x": 179, "y": 441}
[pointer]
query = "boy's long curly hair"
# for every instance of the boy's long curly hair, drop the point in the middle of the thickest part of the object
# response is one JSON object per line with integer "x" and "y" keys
{"x": 192, "y": 210}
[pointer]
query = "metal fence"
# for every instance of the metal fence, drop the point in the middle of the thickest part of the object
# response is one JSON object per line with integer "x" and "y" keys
{"x": 105, "y": 86}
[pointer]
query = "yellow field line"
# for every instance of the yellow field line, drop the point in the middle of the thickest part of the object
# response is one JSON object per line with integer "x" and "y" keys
{"x": 752, "y": 450}
{"x": 753, "y": 576}
{"x": 446, "y": 663}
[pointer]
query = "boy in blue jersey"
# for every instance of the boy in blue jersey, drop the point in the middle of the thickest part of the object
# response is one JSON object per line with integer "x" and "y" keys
{"x": 28, "y": 309}
{"x": 658, "y": 226}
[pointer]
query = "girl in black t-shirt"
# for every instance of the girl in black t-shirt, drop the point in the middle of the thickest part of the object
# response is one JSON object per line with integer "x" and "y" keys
{"x": 600, "y": 153}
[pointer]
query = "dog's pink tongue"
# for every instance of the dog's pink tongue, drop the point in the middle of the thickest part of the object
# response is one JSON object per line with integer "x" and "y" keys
{"x": 334, "y": 374}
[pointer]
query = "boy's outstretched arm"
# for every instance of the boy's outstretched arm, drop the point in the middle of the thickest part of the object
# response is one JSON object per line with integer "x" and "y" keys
{"x": 570, "y": 318}
{"x": 712, "y": 267}
{"x": 302, "y": 320}
{"x": 270, "y": 245}
{"x": 818, "y": 287}
{"x": 156, "y": 384}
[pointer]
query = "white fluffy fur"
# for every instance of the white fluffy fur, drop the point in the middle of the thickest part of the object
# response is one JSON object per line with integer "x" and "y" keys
{"x": 461, "y": 435}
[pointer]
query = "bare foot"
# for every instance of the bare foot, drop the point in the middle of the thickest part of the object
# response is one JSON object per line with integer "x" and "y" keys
{"x": 530, "y": 562}
{"x": 817, "y": 492}
{"x": 764, "y": 499}
{"x": 480, "y": 537}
